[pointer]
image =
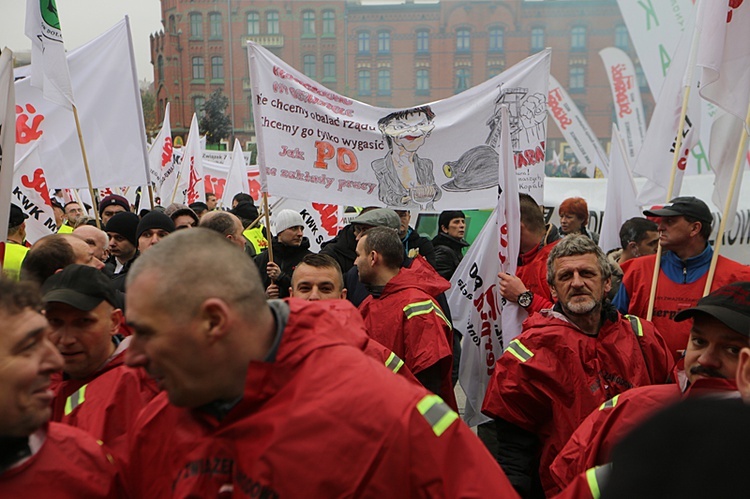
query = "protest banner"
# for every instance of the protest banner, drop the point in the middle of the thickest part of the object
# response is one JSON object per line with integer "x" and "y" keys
{"x": 317, "y": 145}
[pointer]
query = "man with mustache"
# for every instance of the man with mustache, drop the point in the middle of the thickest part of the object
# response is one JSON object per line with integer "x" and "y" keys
{"x": 720, "y": 330}
{"x": 568, "y": 360}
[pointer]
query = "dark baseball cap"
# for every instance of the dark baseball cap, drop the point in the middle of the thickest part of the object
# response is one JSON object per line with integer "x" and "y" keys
{"x": 729, "y": 304}
{"x": 683, "y": 206}
{"x": 17, "y": 216}
{"x": 79, "y": 286}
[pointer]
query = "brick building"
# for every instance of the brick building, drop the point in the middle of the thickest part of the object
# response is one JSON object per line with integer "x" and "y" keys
{"x": 385, "y": 55}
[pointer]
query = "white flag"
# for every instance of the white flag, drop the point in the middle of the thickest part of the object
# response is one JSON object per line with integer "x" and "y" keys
{"x": 621, "y": 202}
{"x": 161, "y": 160}
{"x": 7, "y": 138}
{"x": 726, "y": 133}
{"x": 31, "y": 194}
{"x": 509, "y": 231}
{"x": 49, "y": 67}
{"x": 724, "y": 54}
{"x": 626, "y": 95}
{"x": 655, "y": 159}
{"x": 237, "y": 176}
{"x": 191, "y": 187}
{"x": 575, "y": 129}
{"x": 315, "y": 143}
{"x": 474, "y": 302}
{"x": 108, "y": 105}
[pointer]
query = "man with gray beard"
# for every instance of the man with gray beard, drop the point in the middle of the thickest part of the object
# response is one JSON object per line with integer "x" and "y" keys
{"x": 567, "y": 361}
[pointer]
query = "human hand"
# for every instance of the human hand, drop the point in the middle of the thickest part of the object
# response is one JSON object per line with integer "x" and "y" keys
{"x": 511, "y": 286}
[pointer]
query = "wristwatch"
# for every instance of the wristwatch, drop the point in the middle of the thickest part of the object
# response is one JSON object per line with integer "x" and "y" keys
{"x": 525, "y": 299}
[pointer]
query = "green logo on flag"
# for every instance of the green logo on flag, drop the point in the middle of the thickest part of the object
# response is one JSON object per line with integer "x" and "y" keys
{"x": 49, "y": 13}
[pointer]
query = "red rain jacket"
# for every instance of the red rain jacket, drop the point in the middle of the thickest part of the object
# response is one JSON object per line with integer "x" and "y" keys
{"x": 407, "y": 320}
{"x": 69, "y": 465}
{"x": 106, "y": 403}
{"x": 322, "y": 420}
{"x": 533, "y": 273}
{"x": 553, "y": 375}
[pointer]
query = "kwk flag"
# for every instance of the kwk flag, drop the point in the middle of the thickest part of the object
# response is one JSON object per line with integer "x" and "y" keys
{"x": 237, "y": 176}
{"x": 320, "y": 145}
{"x": 160, "y": 159}
{"x": 49, "y": 66}
{"x": 576, "y": 129}
{"x": 108, "y": 103}
{"x": 190, "y": 186}
{"x": 621, "y": 202}
{"x": 7, "y": 137}
{"x": 30, "y": 192}
{"x": 626, "y": 95}
{"x": 655, "y": 159}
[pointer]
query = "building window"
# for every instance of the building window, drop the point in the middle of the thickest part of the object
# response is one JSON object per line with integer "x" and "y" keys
{"x": 160, "y": 68}
{"x": 363, "y": 82}
{"x": 363, "y": 42}
{"x": 214, "y": 20}
{"x": 196, "y": 25}
{"x": 308, "y": 22}
{"x": 497, "y": 37}
{"x": 198, "y": 103}
{"x": 384, "y": 42}
{"x": 577, "y": 79}
{"x": 199, "y": 72}
{"x": 463, "y": 79}
{"x": 329, "y": 22}
{"x": 272, "y": 22}
{"x": 423, "y": 41}
{"x": 308, "y": 65}
{"x": 423, "y": 82}
{"x": 578, "y": 38}
{"x": 494, "y": 71}
{"x": 537, "y": 39}
{"x": 253, "y": 23}
{"x": 217, "y": 68}
{"x": 622, "y": 39}
{"x": 463, "y": 40}
{"x": 329, "y": 67}
{"x": 384, "y": 82}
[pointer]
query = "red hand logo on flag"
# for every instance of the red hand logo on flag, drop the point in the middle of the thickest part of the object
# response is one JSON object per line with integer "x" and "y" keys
{"x": 166, "y": 152}
{"x": 733, "y": 4}
{"x": 328, "y": 216}
{"x": 38, "y": 183}
{"x": 26, "y": 133}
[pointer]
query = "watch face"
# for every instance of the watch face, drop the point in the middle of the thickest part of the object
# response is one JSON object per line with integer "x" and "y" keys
{"x": 524, "y": 299}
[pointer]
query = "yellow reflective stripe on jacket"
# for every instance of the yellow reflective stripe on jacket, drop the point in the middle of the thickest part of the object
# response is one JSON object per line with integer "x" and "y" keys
{"x": 77, "y": 398}
{"x": 65, "y": 229}
{"x": 596, "y": 477}
{"x": 425, "y": 307}
{"x": 255, "y": 237}
{"x": 635, "y": 323}
{"x": 14, "y": 255}
{"x": 437, "y": 413}
{"x": 609, "y": 403}
{"x": 519, "y": 351}
{"x": 393, "y": 362}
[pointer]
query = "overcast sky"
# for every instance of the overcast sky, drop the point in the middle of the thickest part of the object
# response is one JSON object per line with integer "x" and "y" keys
{"x": 83, "y": 20}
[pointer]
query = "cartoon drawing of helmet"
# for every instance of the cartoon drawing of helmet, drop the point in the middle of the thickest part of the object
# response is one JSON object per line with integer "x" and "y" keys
{"x": 476, "y": 169}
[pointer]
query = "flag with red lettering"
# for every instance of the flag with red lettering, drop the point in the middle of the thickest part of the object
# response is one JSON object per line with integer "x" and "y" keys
{"x": 190, "y": 186}
{"x": 626, "y": 95}
{"x": 30, "y": 192}
{"x": 474, "y": 301}
{"x": 236, "y": 177}
{"x": 7, "y": 137}
{"x": 49, "y": 66}
{"x": 323, "y": 146}
{"x": 575, "y": 129}
{"x": 655, "y": 158}
{"x": 161, "y": 161}
{"x": 621, "y": 202}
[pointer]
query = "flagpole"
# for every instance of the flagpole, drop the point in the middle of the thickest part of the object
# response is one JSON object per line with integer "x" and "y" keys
{"x": 687, "y": 83}
{"x": 86, "y": 167}
{"x": 738, "y": 160}
{"x": 268, "y": 226}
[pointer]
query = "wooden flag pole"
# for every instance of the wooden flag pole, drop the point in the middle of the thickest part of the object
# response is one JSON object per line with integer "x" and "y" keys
{"x": 738, "y": 162}
{"x": 268, "y": 227}
{"x": 86, "y": 167}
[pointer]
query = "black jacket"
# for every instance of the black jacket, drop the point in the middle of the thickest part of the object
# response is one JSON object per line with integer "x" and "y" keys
{"x": 286, "y": 257}
{"x": 414, "y": 245}
{"x": 342, "y": 248}
{"x": 448, "y": 254}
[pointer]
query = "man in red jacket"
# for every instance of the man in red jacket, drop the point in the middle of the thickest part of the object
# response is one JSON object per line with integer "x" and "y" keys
{"x": 684, "y": 230}
{"x": 276, "y": 398}
{"x": 37, "y": 458}
{"x": 96, "y": 391}
{"x": 401, "y": 313}
{"x": 567, "y": 362}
